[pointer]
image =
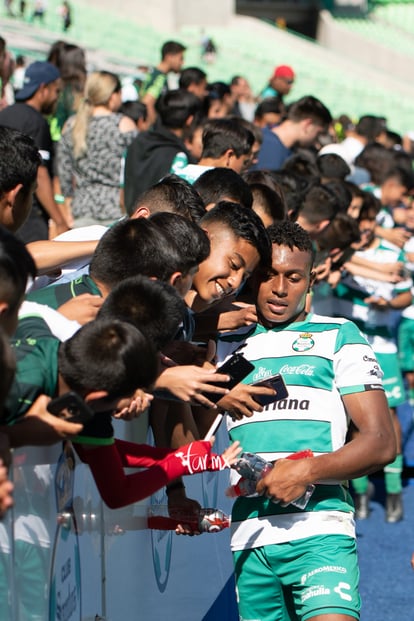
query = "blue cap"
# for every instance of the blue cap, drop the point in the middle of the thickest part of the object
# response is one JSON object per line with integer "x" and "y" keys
{"x": 36, "y": 74}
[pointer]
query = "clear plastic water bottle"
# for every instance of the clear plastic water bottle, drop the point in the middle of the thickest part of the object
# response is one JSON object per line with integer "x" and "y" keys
{"x": 206, "y": 520}
{"x": 243, "y": 487}
{"x": 252, "y": 468}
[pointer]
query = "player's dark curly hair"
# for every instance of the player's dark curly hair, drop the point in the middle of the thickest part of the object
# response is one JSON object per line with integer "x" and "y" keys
{"x": 287, "y": 233}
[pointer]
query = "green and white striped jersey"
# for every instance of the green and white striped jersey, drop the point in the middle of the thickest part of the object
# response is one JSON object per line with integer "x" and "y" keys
{"x": 321, "y": 359}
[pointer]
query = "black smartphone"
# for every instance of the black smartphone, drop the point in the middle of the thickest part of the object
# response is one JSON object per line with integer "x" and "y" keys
{"x": 277, "y": 383}
{"x": 237, "y": 367}
{"x": 71, "y": 407}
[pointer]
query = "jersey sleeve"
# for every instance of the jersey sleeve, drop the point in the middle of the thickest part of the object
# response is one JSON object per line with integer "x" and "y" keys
{"x": 155, "y": 87}
{"x": 355, "y": 365}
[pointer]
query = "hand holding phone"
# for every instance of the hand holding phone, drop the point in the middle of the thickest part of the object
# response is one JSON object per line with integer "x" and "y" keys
{"x": 237, "y": 368}
{"x": 275, "y": 382}
{"x": 71, "y": 407}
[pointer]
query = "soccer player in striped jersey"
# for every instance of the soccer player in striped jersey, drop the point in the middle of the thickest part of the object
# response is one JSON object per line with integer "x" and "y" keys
{"x": 302, "y": 563}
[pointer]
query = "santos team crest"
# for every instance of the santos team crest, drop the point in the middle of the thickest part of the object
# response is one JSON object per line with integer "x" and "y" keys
{"x": 303, "y": 342}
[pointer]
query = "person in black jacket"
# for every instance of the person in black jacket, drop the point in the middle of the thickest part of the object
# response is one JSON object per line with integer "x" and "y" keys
{"x": 151, "y": 154}
{"x": 36, "y": 99}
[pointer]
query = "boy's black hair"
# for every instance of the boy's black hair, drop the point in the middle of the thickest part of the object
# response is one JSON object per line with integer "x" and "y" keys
{"x": 175, "y": 107}
{"x": 108, "y": 355}
{"x": 152, "y": 306}
{"x": 223, "y": 184}
{"x": 319, "y": 204}
{"x": 219, "y": 135}
{"x": 269, "y": 105}
{"x": 191, "y": 75}
{"x": 394, "y": 138}
{"x": 291, "y": 183}
{"x": 244, "y": 223}
{"x": 402, "y": 159}
{"x": 303, "y": 164}
{"x": 287, "y": 233}
{"x": 342, "y": 192}
{"x": 135, "y": 246}
{"x": 235, "y": 80}
{"x": 191, "y": 240}
{"x": 197, "y": 123}
{"x": 309, "y": 107}
{"x": 172, "y": 47}
{"x": 294, "y": 190}
{"x": 135, "y": 110}
{"x": 172, "y": 194}
{"x": 268, "y": 201}
{"x": 264, "y": 177}
{"x": 255, "y": 129}
{"x": 341, "y": 232}
{"x": 218, "y": 90}
{"x": 16, "y": 267}
{"x": 370, "y": 127}
{"x": 19, "y": 161}
{"x": 371, "y": 205}
{"x": 332, "y": 166}
{"x": 403, "y": 176}
{"x": 354, "y": 189}
{"x": 377, "y": 160}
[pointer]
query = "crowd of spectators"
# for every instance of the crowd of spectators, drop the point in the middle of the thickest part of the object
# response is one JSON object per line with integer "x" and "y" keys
{"x": 132, "y": 235}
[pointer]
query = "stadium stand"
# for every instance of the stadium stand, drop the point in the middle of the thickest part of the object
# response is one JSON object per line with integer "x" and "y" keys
{"x": 345, "y": 85}
{"x": 382, "y": 33}
{"x": 399, "y": 16}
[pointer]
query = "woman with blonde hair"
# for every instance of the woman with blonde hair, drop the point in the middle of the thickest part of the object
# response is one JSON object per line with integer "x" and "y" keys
{"x": 90, "y": 152}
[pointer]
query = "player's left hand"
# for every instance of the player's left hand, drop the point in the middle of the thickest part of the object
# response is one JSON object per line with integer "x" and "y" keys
{"x": 286, "y": 482}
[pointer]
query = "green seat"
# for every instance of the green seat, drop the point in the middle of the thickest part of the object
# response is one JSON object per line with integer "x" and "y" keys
{"x": 240, "y": 51}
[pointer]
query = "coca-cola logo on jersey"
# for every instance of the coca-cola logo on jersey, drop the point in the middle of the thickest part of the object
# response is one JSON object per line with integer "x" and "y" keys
{"x": 300, "y": 369}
